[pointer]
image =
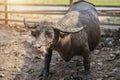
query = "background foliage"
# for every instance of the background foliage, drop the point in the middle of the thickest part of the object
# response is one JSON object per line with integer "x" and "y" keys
{"x": 96, "y": 2}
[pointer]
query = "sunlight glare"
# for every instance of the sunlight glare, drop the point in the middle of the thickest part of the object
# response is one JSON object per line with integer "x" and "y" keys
{"x": 15, "y": 1}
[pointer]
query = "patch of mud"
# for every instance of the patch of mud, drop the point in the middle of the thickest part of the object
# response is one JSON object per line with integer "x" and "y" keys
{"x": 17, "y": 62}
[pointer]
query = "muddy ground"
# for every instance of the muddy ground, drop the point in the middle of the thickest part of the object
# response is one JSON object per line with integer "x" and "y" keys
{"x": 17, "y": 62}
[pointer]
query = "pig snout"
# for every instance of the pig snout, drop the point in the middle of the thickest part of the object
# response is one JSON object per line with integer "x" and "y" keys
{"x": 38, "y": 49}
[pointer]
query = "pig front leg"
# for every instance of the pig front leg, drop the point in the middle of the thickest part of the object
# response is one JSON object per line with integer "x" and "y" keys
{"x": 44, "y": 74}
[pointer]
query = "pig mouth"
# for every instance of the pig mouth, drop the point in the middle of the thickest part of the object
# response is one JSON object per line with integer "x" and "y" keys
{"x": 41, "y": 50}
{"x": 37, "y": 51}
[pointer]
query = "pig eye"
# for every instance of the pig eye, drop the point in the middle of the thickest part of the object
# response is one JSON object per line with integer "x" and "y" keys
{"x": 48, "y": 34}
{"x": 35, "y": 33}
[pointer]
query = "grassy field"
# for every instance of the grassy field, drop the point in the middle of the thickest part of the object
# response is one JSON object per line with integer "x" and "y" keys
{"x": 105, "y": 2}
{"x": 96, "y": 2}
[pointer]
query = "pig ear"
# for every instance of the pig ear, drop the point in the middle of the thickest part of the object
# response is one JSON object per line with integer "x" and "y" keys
{"x": 31, "y": 26}
{"x": 68, "y": 29}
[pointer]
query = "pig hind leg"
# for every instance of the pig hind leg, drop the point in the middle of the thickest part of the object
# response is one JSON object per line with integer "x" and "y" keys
{"x": 86, "y": 63}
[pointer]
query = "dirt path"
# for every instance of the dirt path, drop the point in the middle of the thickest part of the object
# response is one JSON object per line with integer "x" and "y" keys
{"x": 17, "y": 62}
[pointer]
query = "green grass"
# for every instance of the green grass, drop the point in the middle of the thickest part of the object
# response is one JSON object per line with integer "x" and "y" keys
{"x": 105, "y": 2}
{"x": 96, "y": 2}
{"x": 43, "y": 1}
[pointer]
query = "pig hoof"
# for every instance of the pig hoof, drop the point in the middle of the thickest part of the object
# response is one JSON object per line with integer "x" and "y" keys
{"x": 43, "y": 76}
{"x": 87, "y": 76}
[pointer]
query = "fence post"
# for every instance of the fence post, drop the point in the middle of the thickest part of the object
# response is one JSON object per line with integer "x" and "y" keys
{"x": 71, "y": 1}
{"x": 6, "y": 12}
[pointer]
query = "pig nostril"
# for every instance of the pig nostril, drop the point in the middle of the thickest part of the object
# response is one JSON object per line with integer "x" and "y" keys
{"x": 36, "y": 46}
{"x": 39, "y": 47}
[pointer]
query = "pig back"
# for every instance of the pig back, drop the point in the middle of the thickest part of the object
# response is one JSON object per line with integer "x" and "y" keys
{"x": 88, "y": 17}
